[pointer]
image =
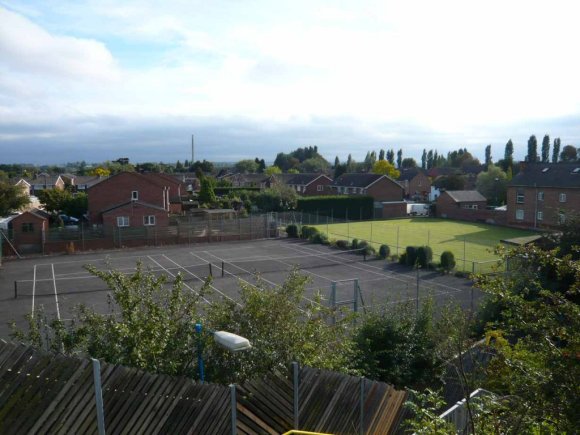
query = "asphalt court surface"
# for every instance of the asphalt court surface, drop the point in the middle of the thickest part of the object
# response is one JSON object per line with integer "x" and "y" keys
{"x": 59, "y": 283}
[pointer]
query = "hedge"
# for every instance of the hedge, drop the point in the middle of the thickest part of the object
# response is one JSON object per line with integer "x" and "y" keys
{"x": 338, "y": 206}
{"x": 223, "y": 191}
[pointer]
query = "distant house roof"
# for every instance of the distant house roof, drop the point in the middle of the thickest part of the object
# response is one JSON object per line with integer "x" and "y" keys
{"x": 443, "y": 170}
{"x": 359, "y": 180}
{"x": 548, "y": 175}
{"x": 302, "y": 179}
{"x": 466, "y": 196}
{"x": 409, "y": 174}
{"x": 87, "y": 180}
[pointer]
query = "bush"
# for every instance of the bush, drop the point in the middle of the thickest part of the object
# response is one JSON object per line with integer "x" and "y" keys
{"x": 394, "y": 258}
{"x": 342, "y": 244}
{"x": 319, "y": 238}
{"x": 354, "y": 244}
{"x": 424, "y": 256}
{"x": 433, "y": 265}
{"x": 384, "y": 251}
{"x": 307, "y": 232}
{"x": 292, "y": 230}
{"x": 447, "y": 261}
{"x": 403, "y": 258}
{"x": 411, "y": 255}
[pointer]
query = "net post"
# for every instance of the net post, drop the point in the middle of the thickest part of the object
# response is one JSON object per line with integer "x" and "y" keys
{"x": 210, "y": 272}
{"x": 223, "y": 268}
{"x": 15, "y": 289}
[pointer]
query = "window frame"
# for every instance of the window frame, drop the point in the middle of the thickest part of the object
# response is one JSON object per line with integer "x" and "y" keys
{"x": 134, "y": 195}
{"x": 520, "y": 211}
{"x": 319, "y": 187}
{"x": 562, "y": 197}
{"x": 541, "y": 195}
{"x": 540, "y": 216}
{"x": 520, "y": 197}
{"x": 147, "y": 220}
{"x": 121, "y": 221}
{"x": 27, "y": 227}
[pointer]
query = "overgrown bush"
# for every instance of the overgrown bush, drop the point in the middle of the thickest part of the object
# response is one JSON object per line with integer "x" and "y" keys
{"x": 411, "y": 255}
{"x": 384, "y": 251}
{"x": 424, "y": 256}
{"x": 308, "y": 231}
{"x": 319, "y": 238}
{"x": 292, "y": 230}
{"x": 447, "y": 261}
{"x": 342, "y": 244}
{"x": 354, "y": 244}
{"x": 403, "y": 258}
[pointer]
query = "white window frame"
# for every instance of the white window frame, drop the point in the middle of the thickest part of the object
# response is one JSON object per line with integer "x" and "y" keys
{"x": 520, "y": 196}
{"x": 520, "y": 214}
{"x": 562, "y": 197}
{"x": 135, "y": 195}
{"x": 122, "y": 221}
{"x": 540, "y": 216}
{"x": 541, "y": 195}
{"x": 561, "y": 217}
{"x": 319, "y": 187}
{"x": 149, "y": 220}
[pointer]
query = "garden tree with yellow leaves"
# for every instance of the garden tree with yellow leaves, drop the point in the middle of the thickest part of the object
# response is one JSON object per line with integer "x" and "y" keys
{"x": 100, "y": 172}
{"x": 383, "y": 167}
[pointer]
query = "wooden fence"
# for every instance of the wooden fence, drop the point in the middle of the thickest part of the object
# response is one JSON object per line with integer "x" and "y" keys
{"x": 45, "y": 393}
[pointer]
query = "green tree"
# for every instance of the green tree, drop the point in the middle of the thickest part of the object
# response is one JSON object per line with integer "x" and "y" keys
{"x": 430, "y": 159}
{"x": 450, "y": 182}
{"x": 532, "y": 156}
{"x": 246, "y": 166}
{"x": 314, "y": 164}
{"x": 488, "y": 160}
{"x": 569, "y": 154}
{"x": 556, "y": 150}
{"x": 424, "y": 159}
{"x": 509, "y": 154}
{"x": 546, "y": 149}
{"x": 492, "y": 184}
{"x": 277, "y": 198}
{"x": 206, "y": 191}
{"x": 383, "y": 167}
{"x": 54, "y": 200}
{"x": 408, "y": 162}
{"x": 271, "y": 170}
{"x": 12, "y": 198}
{"x": 400, "y": 159}
{"x": 381, "y": 154}
{"x": 391, "y": 156}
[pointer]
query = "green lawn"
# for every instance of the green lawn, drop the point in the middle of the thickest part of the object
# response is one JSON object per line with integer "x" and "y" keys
{"x": 473, "y": 241}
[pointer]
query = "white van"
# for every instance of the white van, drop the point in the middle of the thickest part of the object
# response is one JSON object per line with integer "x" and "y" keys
{"x": 417, "y": 209}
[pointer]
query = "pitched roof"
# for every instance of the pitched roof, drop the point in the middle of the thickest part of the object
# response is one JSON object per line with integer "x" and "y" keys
{"x": 409, "y": 173}
{"x": 304, "y": 179}
{"x": 548, "y": 175}
{"x": 466, "y": 196}
{"x": 359, "y": 180}
{"x": 144, "y": 204}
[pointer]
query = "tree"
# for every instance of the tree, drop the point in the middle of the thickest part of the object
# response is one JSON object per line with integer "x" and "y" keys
{"x": 277, "y": 198}
{"x": 408, "y": 162}
{"x": 382, "y": 155}
{"x": 509, "y": 153}
{"x": 450, "y": 182}
{"x": 430, "y": 159}
{"x": 314, "y": 164}
{"x": 488, "y": 160}
{"x": 492, "y": 184}
{"x": 101, "y": 172}
{"x": 206, "y": 192}
{"x": 400, "y": 158}
{"x": 391, "y": 156}
{"x": 532, "y": 156}
{"x": 246, "y": 166}
{"x": 556, "y": 150}
{"x": 203, "y": 167}
{"x": 54, "y": 200}
{"x": 336, "y": 162}
{"x": 339, "y": 170}
{"x": 261, "y": 165}
{"x": 546, "y": 149}
{"x": 12, "y": 198}
{"x": 271, "y": 170}
{"x": 383, "y": 167}
{"x": 569, "y": 154}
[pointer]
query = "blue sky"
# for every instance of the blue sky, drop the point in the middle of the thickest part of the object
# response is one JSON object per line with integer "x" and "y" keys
{"x": 97, "y": 80}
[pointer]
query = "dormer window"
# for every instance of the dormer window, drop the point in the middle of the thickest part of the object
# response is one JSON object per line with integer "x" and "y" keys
{"x": 135, "y": 195}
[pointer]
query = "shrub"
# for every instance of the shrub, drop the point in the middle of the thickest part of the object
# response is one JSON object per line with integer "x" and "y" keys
{"x": 424, "y": 255}
{"x": 433, "y": 265}
{"x": 384, "y": 251}
{"x": 394, "y": 257}
{"x": 342, "y": 244}
{"x": 319, "y": 238}
{"x": 369, "y": 250}
{"x": 447, "y": 261}
{"x": 403, "y": 258}
{"x": 411, "y": 255}
{"x": 292, "y": 230}
{"x": 354, "y": 244}
{"x": 308, "y": 231}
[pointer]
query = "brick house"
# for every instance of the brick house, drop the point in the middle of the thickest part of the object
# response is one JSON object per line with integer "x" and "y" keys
{"x": 304, "y": 184}
{"x": 132, "y": 192}
{"x": 40, "y": 182}
{"x": 380, "y": 187}
{"x": 542, "y": 195}
{"x": 461, "y": 204}
{"x": 28, "y": 231}
{"x": 247, "y": 180}
{"x": 416, "y": 183}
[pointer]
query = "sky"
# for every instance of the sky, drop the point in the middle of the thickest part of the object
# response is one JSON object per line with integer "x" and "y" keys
{"x": 99, "y": 80}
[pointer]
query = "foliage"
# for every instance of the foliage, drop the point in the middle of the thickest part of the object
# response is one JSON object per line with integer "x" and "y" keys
{"x": 314, "y": 164}
{"x": 100, "y": 172}
{"x": 447, "y": 261}
{"x": 569, "y": 154}
{"x": 63, "y": 201}
{"x": 383, "y": 167}
{"x": 411, "y": 256}
{"x": 206, "y": 192}
{"x": 307, "y": 231}
{"x": 342, "y": 244}
{"x": 277, "y": 198}
{"x": 271, "y": 170}
{"x": 384, "y": 251}
{"x": 532, "y": 155}
{"x": 425, "y": 407}
{"x": 450, "y": 182}
{"x": 12, "y": 198}
{"x": 424, "y": 256}
{"x": 204, "y": 167}
{"x": 338, "y": 206}
{"x": 149, "y": 325}
{"x": 319, "y": 238}
{"x": 546, "y": 149}
{"x": 246, "y": 166}
{"x": 556, "y": 150}
{"x": 408, "y": 162}
{"x": 282, "y": 328}
{"x": 492, "y": 184}
{"x": 294, "y": 158}
{"x": 401, "y": 347}
{"x": 292, "y": 230}
{"x": 354, "y": 244}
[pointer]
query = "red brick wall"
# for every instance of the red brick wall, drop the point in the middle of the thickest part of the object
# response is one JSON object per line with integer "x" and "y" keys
{"x": 312, "y": 188}
{"x": 117, "y": 190}
{"x": 136, "y": 212}
{"x": 394, "y": 210}
{"x": 420, "y": 184}
{"x": 447, "y": 208}
{"x": 21, "y": 239}
{"x": 386, "y": 190}
{"x": 550, "y": 206}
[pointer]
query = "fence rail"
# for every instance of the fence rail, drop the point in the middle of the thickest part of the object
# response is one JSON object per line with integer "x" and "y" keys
{"x": 45, "y": 393}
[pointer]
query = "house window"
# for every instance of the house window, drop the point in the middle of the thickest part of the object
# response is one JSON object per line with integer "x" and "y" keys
{"x": 520, "y": 214}
{"x": 122, "y": 221}
{"x": 540, "y": 215}
{"x": 27, "y": 227}
{"x": 562, "y": 197}
{"x": 561, "y": 217}
{"x": 135, "y": 195}
{"x": 520, "y": 197}
{"x": 319, "y": 188}
{"x": 471, "y": 206}
{"x": 540, "y": 195}
{"x": 149, "y": 220}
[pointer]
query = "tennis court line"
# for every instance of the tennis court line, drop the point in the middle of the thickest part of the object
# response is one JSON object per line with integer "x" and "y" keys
{"x": 33, "y": 289}
{"x": 55, "y": 292}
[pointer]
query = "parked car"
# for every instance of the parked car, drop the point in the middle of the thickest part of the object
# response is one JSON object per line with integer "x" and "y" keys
{"x": 68, "y": 220}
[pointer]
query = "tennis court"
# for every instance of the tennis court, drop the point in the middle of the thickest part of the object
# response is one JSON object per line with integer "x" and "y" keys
{"x": 60, "y": 283}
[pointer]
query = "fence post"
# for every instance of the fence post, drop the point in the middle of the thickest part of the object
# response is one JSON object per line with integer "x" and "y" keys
{"x": 398, "y": 240}
{"x": 362, "y": 406}
{"x": 98, "y": 396}
{"x": 296, "y": 394}
{"x": 464, "y": 256}
{"x": 371, "y": 240}
{"x": 233, "y": 406}
{"x": 15, "y": 289}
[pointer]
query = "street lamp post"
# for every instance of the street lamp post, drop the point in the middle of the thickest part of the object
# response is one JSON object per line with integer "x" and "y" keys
{"x": 228, "y": 340}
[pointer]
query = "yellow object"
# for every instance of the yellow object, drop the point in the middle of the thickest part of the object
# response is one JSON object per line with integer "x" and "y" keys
{"x": 302, "y": 432}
